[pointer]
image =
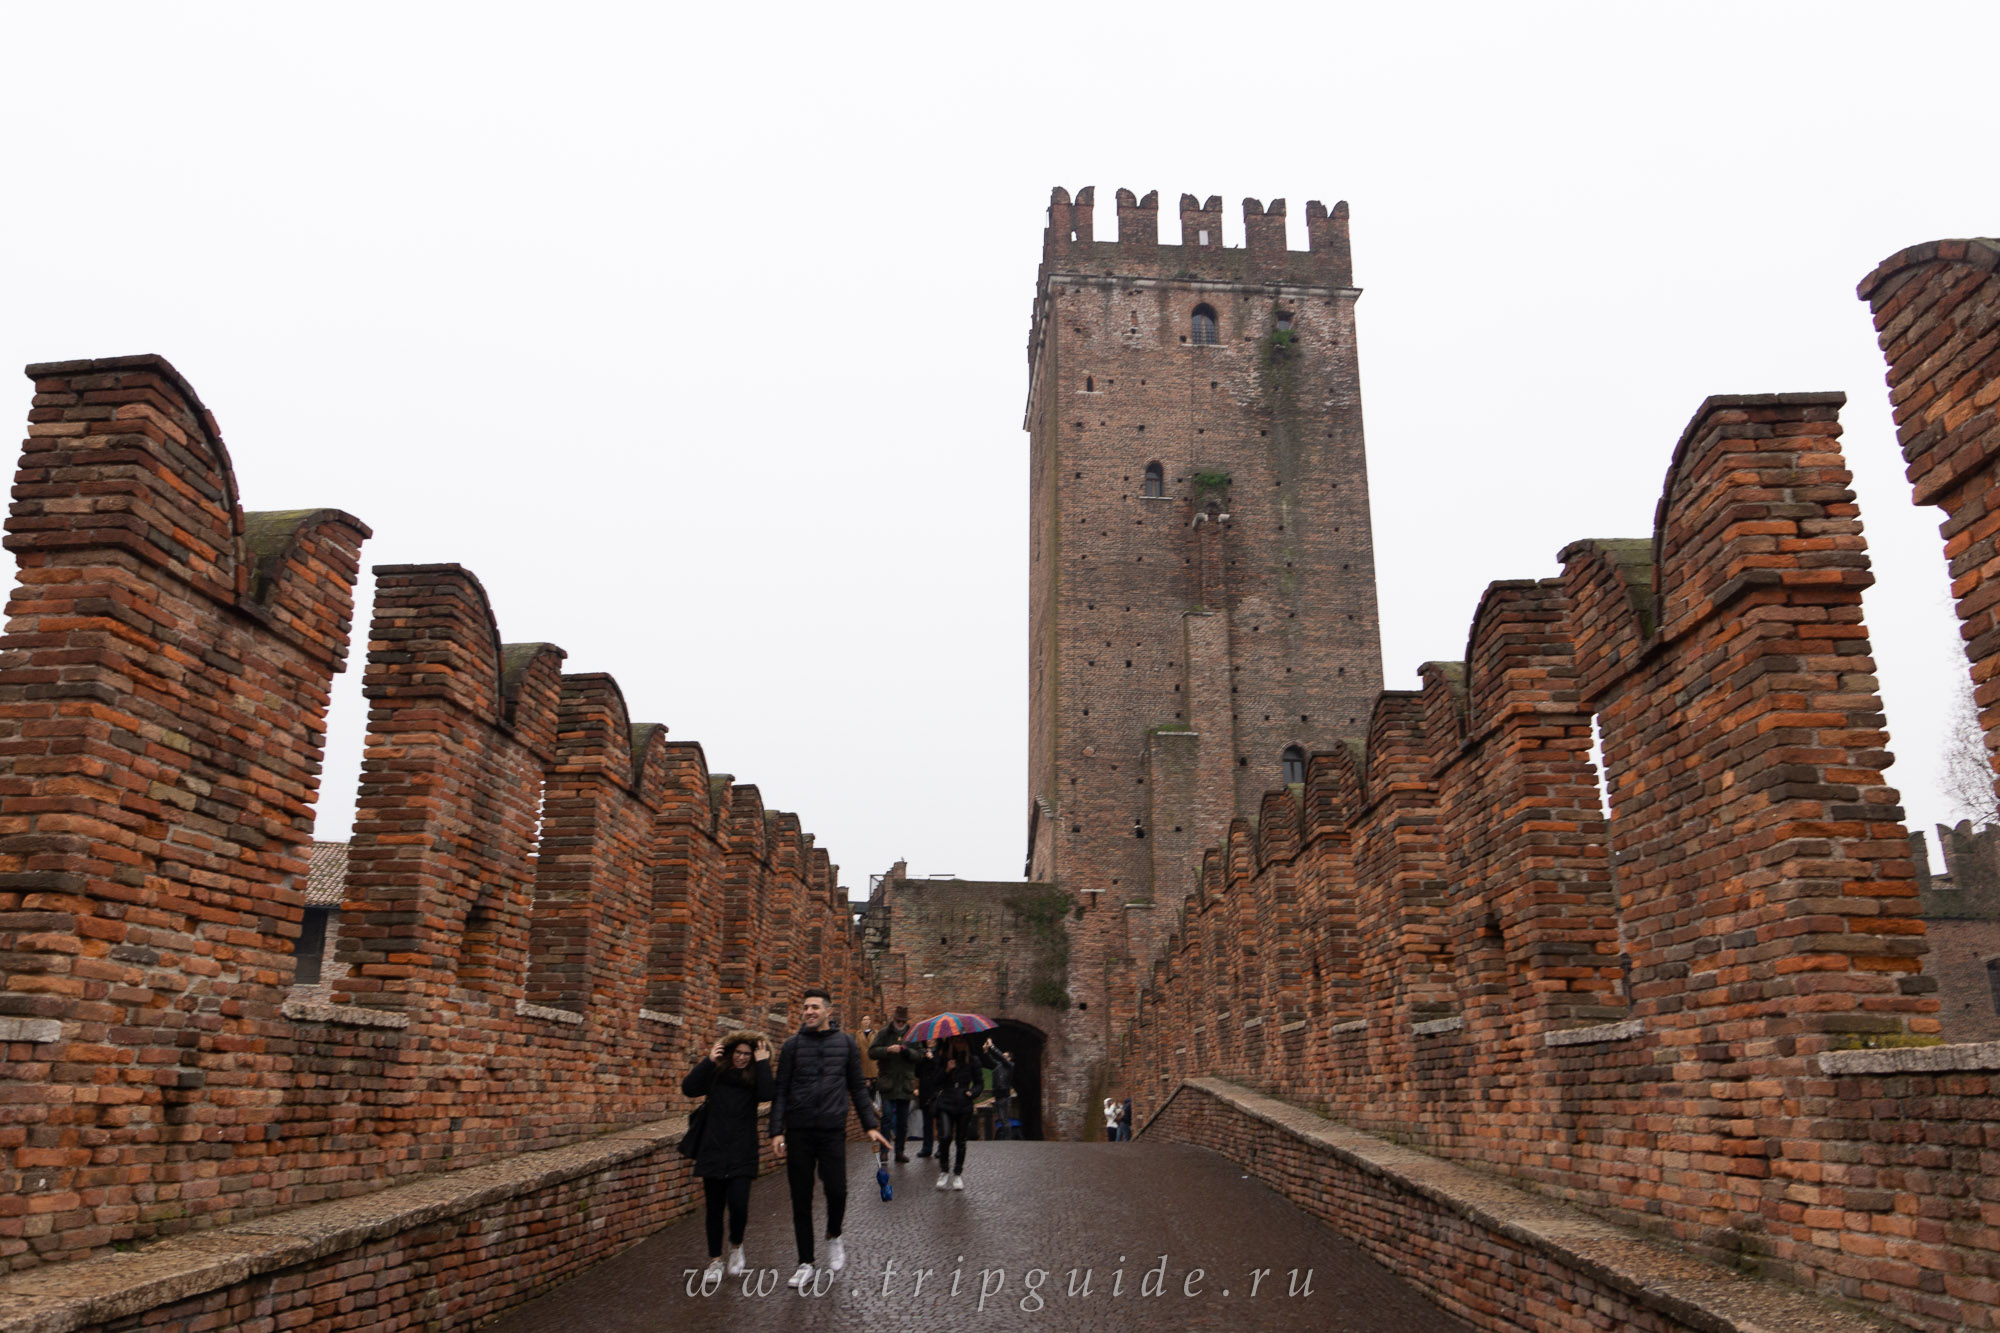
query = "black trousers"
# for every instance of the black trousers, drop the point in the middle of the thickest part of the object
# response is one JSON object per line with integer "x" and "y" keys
{"x": 824, "y": 1151}
{"x": 736, "y": 1193}
{"x": 954, "y": 1127}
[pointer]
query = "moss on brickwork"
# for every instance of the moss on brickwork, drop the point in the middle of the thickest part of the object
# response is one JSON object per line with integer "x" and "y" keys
{"x": 1045, "y": 918}
{"x": 1277, "y": 372}
{"x": 1208, "y": 486}
{"x": 1882, "y": 1041}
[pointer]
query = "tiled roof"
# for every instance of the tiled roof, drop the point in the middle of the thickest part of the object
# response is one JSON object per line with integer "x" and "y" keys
{"x": 327, "y": 883}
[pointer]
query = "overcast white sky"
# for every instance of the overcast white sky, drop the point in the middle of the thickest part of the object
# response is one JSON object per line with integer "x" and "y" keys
{"x": 697, "y": 333}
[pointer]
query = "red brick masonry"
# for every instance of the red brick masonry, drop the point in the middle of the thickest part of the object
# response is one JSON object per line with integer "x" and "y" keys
{"x": 1664, "y": 1015}
{"x": 550, "y": 910}
{"x": 1495, "y": 1256}
{"x": 446, "y": 1252}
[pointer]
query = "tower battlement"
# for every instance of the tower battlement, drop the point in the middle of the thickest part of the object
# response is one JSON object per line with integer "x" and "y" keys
{"x": 1070, "y": 243}
{"x": 1070, "y": 247}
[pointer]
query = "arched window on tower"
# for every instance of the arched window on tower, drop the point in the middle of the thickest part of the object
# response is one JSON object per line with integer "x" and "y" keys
{"x": 1203, "y": 326}
{"x": 1156, "y": 482}
{"x": 1295, "y": 765}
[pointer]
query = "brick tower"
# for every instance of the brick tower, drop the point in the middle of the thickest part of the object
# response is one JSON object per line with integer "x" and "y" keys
{"x": 1203, "y": 579}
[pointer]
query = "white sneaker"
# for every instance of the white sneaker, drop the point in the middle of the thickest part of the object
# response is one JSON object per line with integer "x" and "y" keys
{"x": 944, "y": 1181}
{"x": 713, "y": 1273}
{"x": 736, "y": 1261}
{"x": 803, "y": 1278}
{"x": 957, "y": 1181}
{"x": 836, "y": 1253}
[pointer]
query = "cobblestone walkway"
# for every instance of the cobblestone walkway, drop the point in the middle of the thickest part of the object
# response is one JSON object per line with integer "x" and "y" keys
{"x": 1032, "y": 1215}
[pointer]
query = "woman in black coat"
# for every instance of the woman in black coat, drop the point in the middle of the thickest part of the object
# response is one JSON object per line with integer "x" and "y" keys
{"x": 959, "y": 1085}
{"x": 734, "y": 1077}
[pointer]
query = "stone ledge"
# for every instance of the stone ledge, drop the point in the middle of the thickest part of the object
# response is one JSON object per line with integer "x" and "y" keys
{"x": 543, "y": 1011}
{"x": 62, "y": 1298}
{"x": 1621, "y": 1031}
{"x": 1695, "y": 1292}
{"x": 1436, "y": 1027}
{"x": 655, "y": 1016}
{"x": 1352, "y": 1025}
{"x": 1965, "y": 1056}
{"x": 39, "y": 1030}
{"x": 350, "y": 1015}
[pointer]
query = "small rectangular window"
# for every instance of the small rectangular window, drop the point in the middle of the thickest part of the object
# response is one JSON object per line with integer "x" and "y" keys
{"x": 311, "y": 949}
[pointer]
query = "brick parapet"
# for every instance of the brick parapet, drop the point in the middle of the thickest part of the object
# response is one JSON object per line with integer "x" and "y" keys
{"x": 1496, "y": 1257}
{"x": 536, "y": 896}
{"x": 1937, "y": 318}
{"x": 1624, "y": 1011}
{"x": 484, "y": 1239}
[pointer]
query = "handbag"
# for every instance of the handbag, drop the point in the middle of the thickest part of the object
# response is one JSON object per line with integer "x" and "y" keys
{"x": 697, "y": 1121}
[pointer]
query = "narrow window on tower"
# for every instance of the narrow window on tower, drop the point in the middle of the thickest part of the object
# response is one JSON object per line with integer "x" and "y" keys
{"x": 1156, "y": 482}
{"x": 1294, "y": 765}
{"x": 1089, "y": 384}
{"x": 1203, "y": 326}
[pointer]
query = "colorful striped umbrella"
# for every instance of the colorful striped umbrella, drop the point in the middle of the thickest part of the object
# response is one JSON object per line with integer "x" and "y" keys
{"x": 943, "y": 1027}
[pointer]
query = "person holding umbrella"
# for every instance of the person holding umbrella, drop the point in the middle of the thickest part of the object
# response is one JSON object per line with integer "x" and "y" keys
{"x": 959, "y": 1086}
{"x": 959, "y": 1083}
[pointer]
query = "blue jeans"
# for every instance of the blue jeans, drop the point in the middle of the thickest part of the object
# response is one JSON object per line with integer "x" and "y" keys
{"x": 896, "y": 1122}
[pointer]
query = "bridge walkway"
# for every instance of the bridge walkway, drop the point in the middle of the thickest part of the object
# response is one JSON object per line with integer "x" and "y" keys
{"x": 1149, "y": 1236}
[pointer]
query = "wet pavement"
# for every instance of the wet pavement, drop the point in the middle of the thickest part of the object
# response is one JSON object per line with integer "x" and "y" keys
{"x": 1059, "y": 1236}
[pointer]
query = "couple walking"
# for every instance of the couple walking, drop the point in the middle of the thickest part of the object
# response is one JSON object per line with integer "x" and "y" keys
{"x": 817, "y": 1079}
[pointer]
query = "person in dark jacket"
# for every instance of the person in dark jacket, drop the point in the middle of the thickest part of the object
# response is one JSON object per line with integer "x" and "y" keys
{"x": 819, "y": 1075}
{"x": 733, "y": 1077}
{"x": 959, "y": 1085}
{"x": 895, "y": 1078}
{"x": 930, "y": 1071}
{"x": 1003, "y": 1092}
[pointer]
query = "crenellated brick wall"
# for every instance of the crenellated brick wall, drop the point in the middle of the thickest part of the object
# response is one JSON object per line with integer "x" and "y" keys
{"x": 1937, "y": 314}
{"x": 549, "y": 911}
{"x": 1705, "y": 1013}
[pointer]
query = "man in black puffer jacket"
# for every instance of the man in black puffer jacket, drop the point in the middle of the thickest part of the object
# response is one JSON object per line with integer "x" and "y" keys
{"x": 819, "y": 1074}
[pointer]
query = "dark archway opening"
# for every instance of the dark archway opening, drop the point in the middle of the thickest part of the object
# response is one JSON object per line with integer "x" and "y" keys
{"x": 1024, "y": 1044}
